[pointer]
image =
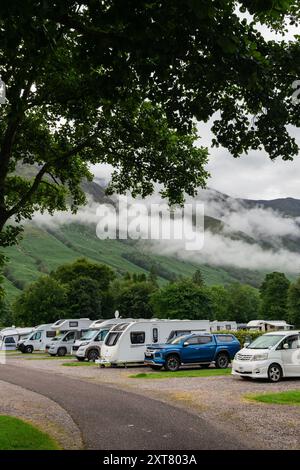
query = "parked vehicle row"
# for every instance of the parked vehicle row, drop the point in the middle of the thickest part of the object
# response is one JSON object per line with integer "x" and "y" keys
{"x": 167, "y": 344}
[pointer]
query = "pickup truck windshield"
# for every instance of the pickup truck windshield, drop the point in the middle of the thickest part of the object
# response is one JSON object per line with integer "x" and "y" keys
{"x": 176, "y": 340}
{"x": 265, "y": 341}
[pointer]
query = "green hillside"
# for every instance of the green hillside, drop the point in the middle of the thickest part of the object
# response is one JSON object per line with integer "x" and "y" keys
{"x": 44, "y": 249}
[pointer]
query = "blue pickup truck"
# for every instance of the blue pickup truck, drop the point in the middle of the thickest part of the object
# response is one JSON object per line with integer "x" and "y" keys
{"x": 202, "y": 349}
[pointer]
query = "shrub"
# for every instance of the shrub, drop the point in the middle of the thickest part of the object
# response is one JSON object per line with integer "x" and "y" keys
{"x": 244, "y": 336}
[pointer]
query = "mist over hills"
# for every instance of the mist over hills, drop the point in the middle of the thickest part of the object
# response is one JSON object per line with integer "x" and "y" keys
{"x": 243, "y": 240}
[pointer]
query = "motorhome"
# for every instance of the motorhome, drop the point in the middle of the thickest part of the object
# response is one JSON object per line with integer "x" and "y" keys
{"x": 67, "y": 332}
{"x": 268, "y": 325}
{"x": 89, "y": 345}
{"x": 127, "y": 341}
{"x": 37, "y": 340}
{"x": 9, "y": 337}
{"x": 217, "y": 325}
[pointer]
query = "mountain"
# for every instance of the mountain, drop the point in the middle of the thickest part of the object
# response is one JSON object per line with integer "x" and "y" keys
{"x": 46, "y": 246}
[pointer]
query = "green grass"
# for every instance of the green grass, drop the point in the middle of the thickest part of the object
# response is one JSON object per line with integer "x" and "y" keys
{"x": 78, "y": 364}
{"x": 290, "y": 397}
{"x": 182, "y": 373}
{"x": 15, "y": 434}
{"x": 46, "y": 356}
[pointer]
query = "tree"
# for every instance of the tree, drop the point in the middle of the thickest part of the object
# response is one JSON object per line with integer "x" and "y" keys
{"x": 182, "y": 300}
{"x": 6, "y": 316}
{"x": 274, "y": 291}
{"x": 294, "y": 303}
{"x": 198, "y": 279}
{"x": 122, "y": 83}
{"x": 133, "y": 300}
{"x": 244, "y": 303}
{"x": 152, "y": 277}
{"x": 43, "y": 301}
{"x": 219, "y": 302}
{"x": 83, "y": 268}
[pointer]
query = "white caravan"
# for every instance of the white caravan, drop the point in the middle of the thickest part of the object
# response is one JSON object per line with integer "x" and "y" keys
{"x": 127, "y": 341}
{"x": 38, "y": 339}
{"x": 89, "y": 345}
{"x": 67, "y": 332}
{"x": 223, "y": 326}
{"x": 9, "y": 337}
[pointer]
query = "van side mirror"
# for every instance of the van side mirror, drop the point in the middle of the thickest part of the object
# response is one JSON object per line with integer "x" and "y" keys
{"x": 246, "y": 345}
{"x": 285, "y": 346}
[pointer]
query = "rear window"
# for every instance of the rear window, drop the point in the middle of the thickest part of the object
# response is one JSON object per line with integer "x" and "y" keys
{"x": 137, "y": 337}
{"x": 225, "y": 338}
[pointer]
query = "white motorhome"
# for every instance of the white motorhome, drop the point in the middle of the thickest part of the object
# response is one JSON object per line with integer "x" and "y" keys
{"x": 127, "y": 341}
{"x": 38, "y": 339}
{"x": 67, "y": 331}
{"x": 89, "y": 345}
{"x": 217, "y": 325}
{"x": 9, "y": 337}
{"x": 268, "y": 325}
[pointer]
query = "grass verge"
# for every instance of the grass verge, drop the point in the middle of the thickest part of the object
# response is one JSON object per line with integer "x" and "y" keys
{"x": 47, "y": 356}
{"x": 78, "y": 364}
{"x": 182, "y": 373}
{"x": 16, "y": 434}
{"x": 290, "y": 397}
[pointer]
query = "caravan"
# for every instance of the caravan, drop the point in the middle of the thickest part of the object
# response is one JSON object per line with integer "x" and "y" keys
{"x": 89, "y": 345}
{"x": 127, "y": 341}
{"x": 67, "y": 332}
{"x": 37, "y": 340}
{"x": 9, "y": 337}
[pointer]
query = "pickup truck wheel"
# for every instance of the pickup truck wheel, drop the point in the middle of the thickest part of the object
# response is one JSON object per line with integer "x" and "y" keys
{"x": 61, "y": 352}
{"x": 29, "y": 349}
{"x": 92, "y": 355}
{"x": 222, "y": 361}
{"x": 156, "y": 367}
{"x": 274, "y": 373}
{"x": 172, "y": 363}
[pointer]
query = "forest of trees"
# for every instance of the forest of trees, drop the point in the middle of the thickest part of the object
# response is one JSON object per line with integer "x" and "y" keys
{"x": 86, "y": 289}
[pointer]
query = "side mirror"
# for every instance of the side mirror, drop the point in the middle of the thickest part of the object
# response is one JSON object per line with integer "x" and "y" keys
{"x": 186, "y": 344}
{"x": 246, "y": 345}
{"x": 285, "y": 346}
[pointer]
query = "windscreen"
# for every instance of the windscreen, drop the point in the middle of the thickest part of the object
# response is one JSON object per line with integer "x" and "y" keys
{"x": 265, "y": 341}
{"x": 88, "y": 335}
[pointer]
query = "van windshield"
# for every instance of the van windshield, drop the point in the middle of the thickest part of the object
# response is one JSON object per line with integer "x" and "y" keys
{"x": 265, "y": 341}
{"x": 88, "y": 335}
{"x": 57, "y": 338}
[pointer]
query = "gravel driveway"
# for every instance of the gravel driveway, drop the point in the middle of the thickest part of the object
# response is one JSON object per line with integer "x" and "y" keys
{"x": 219, "y": 400}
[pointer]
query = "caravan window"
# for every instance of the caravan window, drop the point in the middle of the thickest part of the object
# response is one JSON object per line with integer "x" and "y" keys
{"x": 112, "y": 338}
{"x": 137, "y": 337}
{"x": 228, "y": 327}
{"x": 73, "y": 324}
{"x": 155, "y": 335}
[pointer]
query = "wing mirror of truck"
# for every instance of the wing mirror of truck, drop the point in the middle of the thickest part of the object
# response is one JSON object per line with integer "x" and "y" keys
{"x": 246, "y": 345}
{"x": 186, "y": 344}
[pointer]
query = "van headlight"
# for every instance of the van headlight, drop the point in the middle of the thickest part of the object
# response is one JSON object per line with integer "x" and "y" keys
{"x": 260, "y": 357}
{"x": 85, "y": 343}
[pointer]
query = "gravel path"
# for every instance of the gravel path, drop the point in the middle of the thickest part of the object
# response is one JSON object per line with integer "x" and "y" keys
{"x": 219, "y": 400}
{"x": 41, "y": 412}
